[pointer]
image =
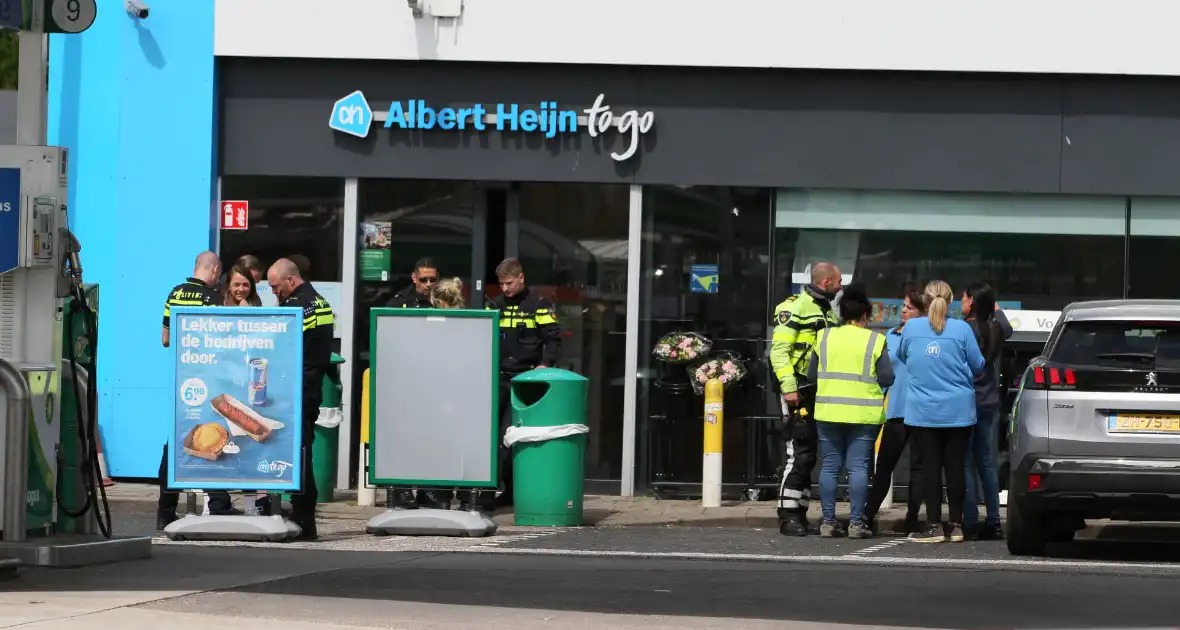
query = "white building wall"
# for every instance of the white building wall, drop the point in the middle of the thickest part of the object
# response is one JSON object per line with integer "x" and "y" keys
{"x": 1037, "y": 36}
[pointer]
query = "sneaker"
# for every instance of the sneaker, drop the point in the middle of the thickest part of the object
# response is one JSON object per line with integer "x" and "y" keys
{"x": 433, "y": 500}
{"x": 989, "y": 532}
{"x": 954, "y": 532}
{"x": 911, "y": 525}
{"x": 932, "y": 534}
{"x": 794, "y": 526}
{"x": 859, "y": 530}
{"x": 404, "y": 499}
{"x": 830, "y": 529}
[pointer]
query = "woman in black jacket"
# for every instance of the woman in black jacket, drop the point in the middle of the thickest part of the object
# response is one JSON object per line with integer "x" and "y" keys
{"x": 991, "y": 329}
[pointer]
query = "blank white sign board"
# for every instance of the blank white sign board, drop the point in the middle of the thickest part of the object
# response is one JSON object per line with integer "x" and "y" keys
{"x": 433, "y": 390}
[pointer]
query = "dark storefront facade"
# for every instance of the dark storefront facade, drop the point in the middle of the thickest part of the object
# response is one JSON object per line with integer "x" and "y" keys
{"x": 1055, "y": 189}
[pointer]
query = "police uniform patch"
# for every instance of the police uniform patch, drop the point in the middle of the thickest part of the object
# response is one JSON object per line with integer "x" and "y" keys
{"x": 783, "y": 317}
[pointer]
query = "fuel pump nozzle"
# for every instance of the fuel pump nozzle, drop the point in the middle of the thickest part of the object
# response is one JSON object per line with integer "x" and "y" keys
{"x": 73, "y": 266}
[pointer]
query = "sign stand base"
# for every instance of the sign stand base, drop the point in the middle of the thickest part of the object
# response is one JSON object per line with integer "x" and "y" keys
{"x": 431, "y": 522}
{"x": 233, "y": 528}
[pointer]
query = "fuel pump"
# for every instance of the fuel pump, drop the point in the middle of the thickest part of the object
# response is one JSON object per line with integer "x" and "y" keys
{"x": 93, "y": 492}
{"x": 40, "y": 264}
{"x": 32, "y": 191}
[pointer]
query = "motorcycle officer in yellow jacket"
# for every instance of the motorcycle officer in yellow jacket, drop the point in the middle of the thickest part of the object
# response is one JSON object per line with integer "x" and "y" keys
{"x": 798, "y": 320}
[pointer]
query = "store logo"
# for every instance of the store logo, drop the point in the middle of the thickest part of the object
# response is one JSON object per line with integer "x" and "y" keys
{"x": 352, "y": 115}
{"x": 933, "y": 349}
{"x": 278, "y": 467}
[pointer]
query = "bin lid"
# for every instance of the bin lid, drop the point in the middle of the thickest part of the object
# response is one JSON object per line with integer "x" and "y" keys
{"x": 548, "y": 375}
{"x": 337, "y": 359}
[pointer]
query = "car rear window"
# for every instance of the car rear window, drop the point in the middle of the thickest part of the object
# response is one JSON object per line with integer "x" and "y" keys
{"x": 1119, "y": 344}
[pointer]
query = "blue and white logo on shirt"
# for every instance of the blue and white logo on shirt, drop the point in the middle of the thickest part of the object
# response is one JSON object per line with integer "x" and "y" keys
{"x": 933, "y": 349}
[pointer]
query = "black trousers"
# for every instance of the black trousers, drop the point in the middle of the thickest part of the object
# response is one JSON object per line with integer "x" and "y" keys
{"x": 794, "y": 492}
{"x": 894, "y": 436}
{"x": 219, "y": 501}
{"x": 944, "y": 451}
{"x": 303, "y": 504}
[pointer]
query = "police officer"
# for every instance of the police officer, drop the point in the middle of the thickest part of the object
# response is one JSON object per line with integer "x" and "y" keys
{"x": 529, "y": 338}
{"x": 798, "y": 320}
{"x": 417, "y": 295}
{"x": 195, "y": 291}
{"x": 318, "y": 320}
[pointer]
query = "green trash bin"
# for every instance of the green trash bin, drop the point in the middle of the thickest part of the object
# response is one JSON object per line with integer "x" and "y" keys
{"x": 325, "y": 450}
{"x": 548, "y": 476}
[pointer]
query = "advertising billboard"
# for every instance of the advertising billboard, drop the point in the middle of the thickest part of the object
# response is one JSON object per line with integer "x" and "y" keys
{"x": 237, "y": 388}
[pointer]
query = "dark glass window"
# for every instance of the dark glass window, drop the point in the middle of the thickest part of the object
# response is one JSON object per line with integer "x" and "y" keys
{"x": 573, "y": 246}
{"x": 685, "y": 226}
{"x": 289, "y": 217}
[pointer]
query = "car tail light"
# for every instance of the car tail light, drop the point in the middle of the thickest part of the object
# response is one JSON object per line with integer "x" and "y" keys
{"x": 1054, "y": 378}
{"x": 1034, "y": 482}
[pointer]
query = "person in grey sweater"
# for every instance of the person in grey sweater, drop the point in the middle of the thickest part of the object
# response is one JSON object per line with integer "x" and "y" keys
{"x": 992, "y": 329}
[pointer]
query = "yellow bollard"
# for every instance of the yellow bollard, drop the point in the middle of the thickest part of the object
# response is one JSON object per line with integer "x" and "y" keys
{"x": 887, "y": 502}
{"x": 366, "y": 495}
{"x": 714, "y": 416}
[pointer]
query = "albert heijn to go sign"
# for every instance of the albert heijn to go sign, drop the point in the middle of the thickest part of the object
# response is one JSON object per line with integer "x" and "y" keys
{"x": 235, "y": 215}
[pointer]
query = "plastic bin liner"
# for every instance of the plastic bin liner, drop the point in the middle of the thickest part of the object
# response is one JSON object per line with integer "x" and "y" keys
{"x": 330, "y": 417}
{"x": 515, "y": 435}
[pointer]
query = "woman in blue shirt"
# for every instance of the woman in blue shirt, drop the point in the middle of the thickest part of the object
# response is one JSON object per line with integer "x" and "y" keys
{"x": 941, "y": 359}
{"x": 895, "y": 434}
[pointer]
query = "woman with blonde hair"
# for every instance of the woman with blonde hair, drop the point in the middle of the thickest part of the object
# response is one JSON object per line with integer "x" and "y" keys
{"x": 941, "y": 360}
{"x": 447, "y": 294}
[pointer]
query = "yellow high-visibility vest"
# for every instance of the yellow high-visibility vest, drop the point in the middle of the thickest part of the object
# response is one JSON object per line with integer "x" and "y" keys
{"x": 846, "y": 389}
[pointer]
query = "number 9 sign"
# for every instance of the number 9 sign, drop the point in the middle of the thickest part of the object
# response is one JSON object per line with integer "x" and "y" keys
{"x": 71, "y": 16}
{"x": 193, "y": 392}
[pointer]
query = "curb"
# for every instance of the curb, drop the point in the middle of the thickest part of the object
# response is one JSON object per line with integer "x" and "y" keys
{"x": 759, "y": 519}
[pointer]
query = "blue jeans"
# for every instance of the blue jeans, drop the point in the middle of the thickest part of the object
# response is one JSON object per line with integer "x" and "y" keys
{"x": 981, "y": 459}
{"x": 845, "y": 445}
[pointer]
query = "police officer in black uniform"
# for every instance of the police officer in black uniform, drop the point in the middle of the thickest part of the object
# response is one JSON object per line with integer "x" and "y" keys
{"x": 529, "y": 338}
{"x": 318, "y": 321}
{"x": 417, "y": 295}
{"x": 195, "y": 291}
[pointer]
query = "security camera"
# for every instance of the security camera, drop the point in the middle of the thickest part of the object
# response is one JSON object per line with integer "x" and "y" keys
{"x": 137, "y": 9}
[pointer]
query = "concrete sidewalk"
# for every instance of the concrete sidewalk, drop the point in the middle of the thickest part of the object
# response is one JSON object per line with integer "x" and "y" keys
{"x": 600, "y": 511}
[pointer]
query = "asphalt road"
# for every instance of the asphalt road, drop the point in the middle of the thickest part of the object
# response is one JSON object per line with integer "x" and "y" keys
{"x": 651, "y": 578}
{"x": 471, "y": 590}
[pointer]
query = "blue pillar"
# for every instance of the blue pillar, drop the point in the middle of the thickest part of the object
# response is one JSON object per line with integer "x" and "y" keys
{"x": 135, "y": 102}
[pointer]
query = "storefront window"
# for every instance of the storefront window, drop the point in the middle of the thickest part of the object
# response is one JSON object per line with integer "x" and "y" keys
{"x": 573, "y": 245}
{"x": 1041, "y": 252}
{"x": 1154, "y": 248}
{"x": 717, "y": 229}
{"x": 290, "y": 217}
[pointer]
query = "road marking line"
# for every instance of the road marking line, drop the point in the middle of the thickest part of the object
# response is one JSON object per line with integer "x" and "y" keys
{"x": 889, "y": 544}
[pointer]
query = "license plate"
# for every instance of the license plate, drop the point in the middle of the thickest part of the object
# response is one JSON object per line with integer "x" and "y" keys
{"x": 1143, "y": 423}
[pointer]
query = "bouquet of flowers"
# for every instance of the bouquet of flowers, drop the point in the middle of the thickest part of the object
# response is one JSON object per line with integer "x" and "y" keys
{"x": 681, "y": 347}
{"x": 727, "y": 368}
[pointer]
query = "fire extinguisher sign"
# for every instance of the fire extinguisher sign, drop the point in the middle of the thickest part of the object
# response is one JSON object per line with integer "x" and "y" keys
{"x": 235, "y": 215}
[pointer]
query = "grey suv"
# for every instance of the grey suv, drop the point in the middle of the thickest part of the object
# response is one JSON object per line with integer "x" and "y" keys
{"x": 1095, "y": 429}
